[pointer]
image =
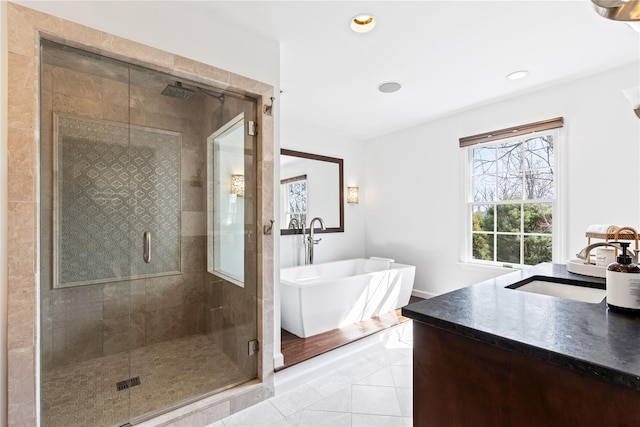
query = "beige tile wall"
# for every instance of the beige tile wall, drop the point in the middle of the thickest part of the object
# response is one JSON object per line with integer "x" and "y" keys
{"x": 25, "y": 26}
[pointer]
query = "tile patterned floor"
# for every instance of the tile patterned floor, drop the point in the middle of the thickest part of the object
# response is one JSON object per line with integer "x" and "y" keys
{"x": 372, "y": 390}
{"x": 85, "y": 394}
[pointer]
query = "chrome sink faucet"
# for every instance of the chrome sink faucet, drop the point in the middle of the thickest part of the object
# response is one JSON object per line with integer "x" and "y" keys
{"x": 309, "y": 241}
{"x": 584, "y": 253}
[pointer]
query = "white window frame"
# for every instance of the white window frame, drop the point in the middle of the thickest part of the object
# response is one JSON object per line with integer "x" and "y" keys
{"x": 558, "y": 227}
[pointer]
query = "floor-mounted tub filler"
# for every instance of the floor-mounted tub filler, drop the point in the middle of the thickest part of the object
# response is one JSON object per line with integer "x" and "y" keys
{"x": 320, "y": 297}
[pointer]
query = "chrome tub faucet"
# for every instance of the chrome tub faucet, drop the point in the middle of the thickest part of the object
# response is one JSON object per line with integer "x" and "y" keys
{"x": 309, "y": 241}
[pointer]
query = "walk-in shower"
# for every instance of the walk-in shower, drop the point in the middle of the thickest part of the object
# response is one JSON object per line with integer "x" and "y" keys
{"x": 139, "y": 231}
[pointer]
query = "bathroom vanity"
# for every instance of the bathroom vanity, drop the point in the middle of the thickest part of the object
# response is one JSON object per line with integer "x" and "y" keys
{"x": 489, "y": 355}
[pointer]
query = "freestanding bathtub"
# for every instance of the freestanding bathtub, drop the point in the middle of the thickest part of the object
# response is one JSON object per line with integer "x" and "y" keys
{"x": 319, "y": 297}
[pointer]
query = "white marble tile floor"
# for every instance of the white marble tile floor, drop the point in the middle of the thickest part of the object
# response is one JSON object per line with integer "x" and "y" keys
{"x": 372, "y": 387}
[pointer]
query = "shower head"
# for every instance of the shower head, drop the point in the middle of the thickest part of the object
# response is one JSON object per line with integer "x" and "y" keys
{"x": 178, "y": 91}
{"x": 219, "y": 97}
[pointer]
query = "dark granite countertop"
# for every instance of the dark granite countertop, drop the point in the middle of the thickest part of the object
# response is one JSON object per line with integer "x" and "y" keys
{"x": 581, "y": 336}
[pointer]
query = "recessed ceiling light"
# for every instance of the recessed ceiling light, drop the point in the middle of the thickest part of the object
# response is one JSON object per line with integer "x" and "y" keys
{"x": 517, "y": 75}
{"x": 389, "y": 87}
{"x": 362, "y": 23}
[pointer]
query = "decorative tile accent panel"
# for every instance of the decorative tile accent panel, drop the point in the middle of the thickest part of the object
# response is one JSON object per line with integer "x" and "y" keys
{"x": 113, "y": 182}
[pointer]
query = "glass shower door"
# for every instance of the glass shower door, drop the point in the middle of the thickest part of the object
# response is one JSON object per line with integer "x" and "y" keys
{"x": 165, "y": 306}
{"x": 85, "y": 246}
{"x": 197, "y": 326}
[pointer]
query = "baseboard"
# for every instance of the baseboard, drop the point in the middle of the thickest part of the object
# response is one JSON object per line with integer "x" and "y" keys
{"x": 423, "y": 294}
{"x": 278, "y": 360}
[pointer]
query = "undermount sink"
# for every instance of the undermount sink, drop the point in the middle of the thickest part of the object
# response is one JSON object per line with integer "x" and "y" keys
{"x": 563, "y": 290}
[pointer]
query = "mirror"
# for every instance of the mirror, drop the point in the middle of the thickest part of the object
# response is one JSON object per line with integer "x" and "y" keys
{"x": 311, "y": 186}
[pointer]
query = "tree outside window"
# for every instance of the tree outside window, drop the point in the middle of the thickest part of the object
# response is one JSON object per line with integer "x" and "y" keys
{"x": 296, "y": 191}
{"x": 513, "y": 193}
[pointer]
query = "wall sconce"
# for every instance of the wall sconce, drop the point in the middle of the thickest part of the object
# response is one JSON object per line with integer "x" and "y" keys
{"x": 352, "y": 194}
{"x": 237, "y": 185}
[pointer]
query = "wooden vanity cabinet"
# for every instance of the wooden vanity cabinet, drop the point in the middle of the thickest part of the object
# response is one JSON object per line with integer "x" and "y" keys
{"x": 459, "y": 381}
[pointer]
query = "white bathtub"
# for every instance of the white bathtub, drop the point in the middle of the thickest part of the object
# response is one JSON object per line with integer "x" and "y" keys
{"x": 320, "y": 297}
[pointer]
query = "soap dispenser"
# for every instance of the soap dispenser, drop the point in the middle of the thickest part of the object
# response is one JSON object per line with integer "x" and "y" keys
{"x": 623, "y": 283}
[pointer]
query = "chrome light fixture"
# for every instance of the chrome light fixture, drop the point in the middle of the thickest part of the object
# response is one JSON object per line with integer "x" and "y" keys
{"x": 352, "y": 194}
{"x": 237, "y": 185}
{"x": 618, "y": 10}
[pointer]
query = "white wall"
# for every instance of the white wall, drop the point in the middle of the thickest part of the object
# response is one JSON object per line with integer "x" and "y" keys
{"x": 300, "y": 136}
{"x": 415, "y": 180}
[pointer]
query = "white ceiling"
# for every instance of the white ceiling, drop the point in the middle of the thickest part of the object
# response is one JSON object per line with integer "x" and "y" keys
{"x": 448, "y": 55}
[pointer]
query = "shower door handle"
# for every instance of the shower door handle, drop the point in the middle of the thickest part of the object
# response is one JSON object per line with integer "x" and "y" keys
{"x": 146, "y": 251}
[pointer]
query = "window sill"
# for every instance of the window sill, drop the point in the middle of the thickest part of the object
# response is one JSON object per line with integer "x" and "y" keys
{"x": 476, "y": 266}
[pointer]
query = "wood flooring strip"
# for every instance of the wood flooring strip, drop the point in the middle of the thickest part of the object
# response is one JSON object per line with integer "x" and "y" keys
{"x": 296, "y": 350}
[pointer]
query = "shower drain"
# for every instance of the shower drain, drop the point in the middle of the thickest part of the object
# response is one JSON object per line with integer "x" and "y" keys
{"x": 123, "y": 385}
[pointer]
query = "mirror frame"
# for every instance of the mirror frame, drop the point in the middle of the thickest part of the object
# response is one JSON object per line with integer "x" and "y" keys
{"x": 339, "y": 162}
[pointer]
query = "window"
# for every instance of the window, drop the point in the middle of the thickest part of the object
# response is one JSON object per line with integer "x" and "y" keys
{"x": 295, "y": 191}
{"x": 512, "y": 198}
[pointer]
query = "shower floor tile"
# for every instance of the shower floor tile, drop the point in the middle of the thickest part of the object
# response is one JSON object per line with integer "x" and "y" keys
{"x": 85, "y": 394}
